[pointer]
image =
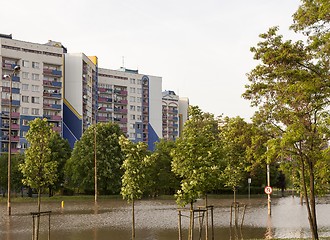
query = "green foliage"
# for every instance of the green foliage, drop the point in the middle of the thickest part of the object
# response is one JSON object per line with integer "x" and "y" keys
{"x": 236, "y": 137}
{"x": 16, "y": 175}
{"x": 197, "y": 156}
{"x": 137, "y": 168}
{"x": 79, "y": 170}
{"x": 165, "y": 181}
{"x": 38, "y": 169}
{"x": 60, "y": 153}
{"x": 291, "y": 88}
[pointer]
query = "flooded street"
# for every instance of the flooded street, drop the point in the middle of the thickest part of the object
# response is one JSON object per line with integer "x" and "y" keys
{"x": 158, "y": 219}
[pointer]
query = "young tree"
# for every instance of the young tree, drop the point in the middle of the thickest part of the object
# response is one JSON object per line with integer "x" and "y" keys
{"x": 197, "y": 156}
{"x": 291, "y": 88}
{"x": 136, "y": 178}
{"x": 236, "y": 136}
{"x": 80, "y": 167}
{"x": 38, "y": 169}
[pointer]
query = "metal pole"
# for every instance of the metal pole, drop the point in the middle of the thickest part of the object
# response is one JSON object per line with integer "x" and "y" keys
{"x": 9, "y": 143}
{"x": 268, "y": 184}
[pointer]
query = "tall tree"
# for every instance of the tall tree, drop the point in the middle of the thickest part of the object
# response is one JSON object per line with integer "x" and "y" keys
{"x": 80, "y": 167}
{"x": 136, "y": 178}
{"x": 291, "y": 88}
{"x": 38, "y": 169}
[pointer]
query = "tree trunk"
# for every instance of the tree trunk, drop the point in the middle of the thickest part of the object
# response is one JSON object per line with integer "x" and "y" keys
{"x": 310, "y": 205}
{"x": 191, "y": 225}
{"x": 38, "y": 216}
{"x": 312, "y": 200}
{"x": 133, "y": 220}
{"x": 207, "y": 219}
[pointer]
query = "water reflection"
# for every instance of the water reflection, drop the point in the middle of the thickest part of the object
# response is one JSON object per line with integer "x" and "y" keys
{"x": 158, "y": 220}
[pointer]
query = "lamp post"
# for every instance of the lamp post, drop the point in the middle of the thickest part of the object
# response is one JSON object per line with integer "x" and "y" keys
{"x": 15, "y": 70}
{"x": 95, "y": 156}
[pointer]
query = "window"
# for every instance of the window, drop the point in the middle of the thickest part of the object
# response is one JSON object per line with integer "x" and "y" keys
{"x": 132, "y": 90}
{"x": 25, "y": 99}
{"x": 132, "y": 117}
{"x": 132, "y": 99}
{"x": 25, "y": 122}
{"x": 139, "y": 81}
{"x": 25, "y": 75}
{"x": 132, "y": 81}
{"x": 138, "y": 108}
{"x": 35, "y": 111}
{"x": 139, "y": 117}
{"x": 25, "y": 63}
{"x": 35, "y": 88}
{"x": 24, "y": 133}
{"x": 25, "y": 110}
{"x": 35, "y": 65}
{"x": 132, "y": 107}
{"x": 131, "y": 126}
{"x": 139, "y": 99}
{"x": 139, "y": 90}
{"x": 139, "y": 135}
{"x": 35, "y": 99}
{"x": 24, "y": 145}
{"x": 35, "y": 76}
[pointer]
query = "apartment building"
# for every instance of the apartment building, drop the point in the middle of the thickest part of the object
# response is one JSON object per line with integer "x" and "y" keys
{"x": 36, "y": 88}
{"x": 124, "y": 96}
{"x": 174, "y": 115}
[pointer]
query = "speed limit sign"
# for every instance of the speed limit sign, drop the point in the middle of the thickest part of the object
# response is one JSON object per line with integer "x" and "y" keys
{"x": 268, "y": 190}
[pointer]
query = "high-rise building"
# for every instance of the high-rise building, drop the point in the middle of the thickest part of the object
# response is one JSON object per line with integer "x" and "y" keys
{"x": 124, "y": 96}
{"x": 174, "y": 114}
{"x": 36, "y": 88}
{"x": 80, "y": 95}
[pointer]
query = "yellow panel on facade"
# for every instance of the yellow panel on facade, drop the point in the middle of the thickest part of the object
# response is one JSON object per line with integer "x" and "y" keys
{"x": 93, "y": 59}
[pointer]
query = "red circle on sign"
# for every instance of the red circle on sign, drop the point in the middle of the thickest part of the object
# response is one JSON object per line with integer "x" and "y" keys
{"x": 268, "y": 190}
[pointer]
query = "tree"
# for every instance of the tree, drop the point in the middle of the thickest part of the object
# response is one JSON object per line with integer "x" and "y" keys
{"x": 38, "y": 169}
{"x": 80, "y": 167}
{"x": 165, "y": 181}
{"x": 60, "y": 153}
{"x": 16, "y": 175}
{"x": 197, "y": 156}
{"x": 136, "y": 177}
{"x": 236, "y": 136}
{"x": 291, "y": 88}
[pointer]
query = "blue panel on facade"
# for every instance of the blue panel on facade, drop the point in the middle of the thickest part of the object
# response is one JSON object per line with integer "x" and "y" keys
{"x": 152, "y": 138}
{"x": 72, "y": 126}
{"x": 57, "y": 84}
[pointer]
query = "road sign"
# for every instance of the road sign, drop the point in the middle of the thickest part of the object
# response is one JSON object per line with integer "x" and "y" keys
{"x": 268, "y": 190}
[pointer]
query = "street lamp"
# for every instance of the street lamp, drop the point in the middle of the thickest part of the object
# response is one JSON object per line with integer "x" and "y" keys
{"x": 15, "y": 70}
{"x": 95, "y": 155}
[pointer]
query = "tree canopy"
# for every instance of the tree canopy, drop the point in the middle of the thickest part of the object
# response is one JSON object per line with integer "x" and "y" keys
{"x": 80, "y": 167}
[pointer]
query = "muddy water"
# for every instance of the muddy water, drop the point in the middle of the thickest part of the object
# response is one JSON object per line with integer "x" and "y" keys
{"x": 158, "y": 220}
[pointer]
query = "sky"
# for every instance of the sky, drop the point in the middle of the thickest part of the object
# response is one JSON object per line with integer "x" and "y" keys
{"x": 201, "y": 49}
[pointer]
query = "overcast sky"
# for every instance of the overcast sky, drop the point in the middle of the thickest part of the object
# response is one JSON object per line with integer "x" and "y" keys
{"x": 199, "y": 48}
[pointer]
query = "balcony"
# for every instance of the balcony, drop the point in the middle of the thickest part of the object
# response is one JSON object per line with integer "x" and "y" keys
{"x": 8, "y": 66}
{"x": 52, "y": 106}
{"x": 13, "y": 114}
{"x": 15, "y": 78}
{"x": 121, "y": 102}
{"x": 57, "y": 129}
{"x": 123, "y": 120}
{"x": 52, "y": 95}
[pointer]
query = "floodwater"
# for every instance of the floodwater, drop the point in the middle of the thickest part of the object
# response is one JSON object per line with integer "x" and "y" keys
{"x": 158, "y": 220}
